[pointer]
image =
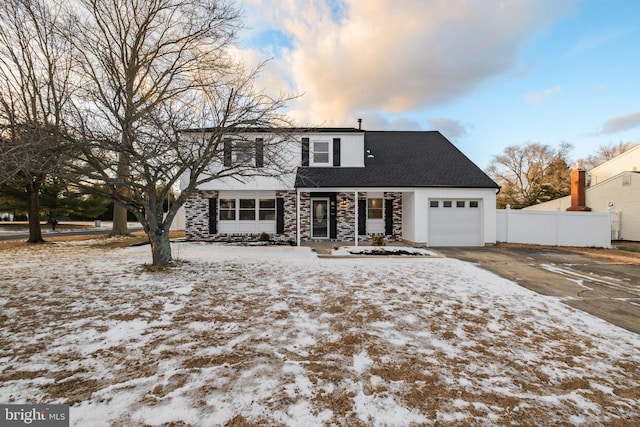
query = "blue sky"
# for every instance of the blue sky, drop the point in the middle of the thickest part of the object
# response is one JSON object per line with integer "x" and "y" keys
{"x": 485, "y": 73}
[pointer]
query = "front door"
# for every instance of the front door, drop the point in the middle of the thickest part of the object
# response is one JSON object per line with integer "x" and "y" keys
{"x": 320, "y": 218}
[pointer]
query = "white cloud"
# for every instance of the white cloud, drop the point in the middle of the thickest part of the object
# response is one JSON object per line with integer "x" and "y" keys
{"x": 395, "y": 55}
{"x": 450, "y": 128}
{"x": 544, "y": 96}
{"x": 598, "y": 40}
{"x": 621, "y": 123}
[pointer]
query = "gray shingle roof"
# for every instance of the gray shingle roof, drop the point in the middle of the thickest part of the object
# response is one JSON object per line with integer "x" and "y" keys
{"x": 402, "y": 159}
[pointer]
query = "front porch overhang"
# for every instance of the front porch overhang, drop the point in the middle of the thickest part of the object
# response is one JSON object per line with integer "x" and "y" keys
{"x": 356, "y": 191}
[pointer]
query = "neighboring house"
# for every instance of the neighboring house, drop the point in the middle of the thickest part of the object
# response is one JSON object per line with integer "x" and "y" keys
{"x": 411, "y": 186}
{"x": 615, "y": 187}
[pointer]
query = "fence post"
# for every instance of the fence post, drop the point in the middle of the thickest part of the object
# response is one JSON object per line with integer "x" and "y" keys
{"x": 558, "y": 226}
{"x": 508, "y": 209}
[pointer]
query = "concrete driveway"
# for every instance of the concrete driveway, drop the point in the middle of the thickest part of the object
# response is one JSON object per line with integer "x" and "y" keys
{"x": 605, "y": 288}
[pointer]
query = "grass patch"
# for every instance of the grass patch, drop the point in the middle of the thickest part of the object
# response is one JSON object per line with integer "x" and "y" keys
{"x": 628, "y": 248}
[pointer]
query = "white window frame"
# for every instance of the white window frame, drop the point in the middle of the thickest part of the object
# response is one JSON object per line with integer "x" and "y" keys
{"x": 313, "y": 151}
{"x": 246, "y": 226}
{"x": 375, "y": 225}
{"x": 228, "y": 209}
{"x": 381, "y": 208}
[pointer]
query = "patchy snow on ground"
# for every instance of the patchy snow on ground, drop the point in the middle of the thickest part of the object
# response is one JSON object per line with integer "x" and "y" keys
{"x": 277, "y": 336}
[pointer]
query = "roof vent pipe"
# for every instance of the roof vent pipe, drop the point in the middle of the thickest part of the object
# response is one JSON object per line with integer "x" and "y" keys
{"x": 359, "y": 124}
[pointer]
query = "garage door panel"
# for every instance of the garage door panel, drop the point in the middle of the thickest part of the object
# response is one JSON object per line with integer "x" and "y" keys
{"x": 455, "y": 225}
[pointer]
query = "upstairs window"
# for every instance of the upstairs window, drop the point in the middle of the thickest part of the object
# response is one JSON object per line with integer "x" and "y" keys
{"x": 321, "y": 152}
{"x": 245, "y": 152}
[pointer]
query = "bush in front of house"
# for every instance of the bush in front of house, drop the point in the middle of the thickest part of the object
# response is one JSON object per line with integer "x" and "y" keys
{"x": 378, "y": 240}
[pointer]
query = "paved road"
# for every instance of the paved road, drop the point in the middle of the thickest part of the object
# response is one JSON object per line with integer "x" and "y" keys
{"x": 603, "y": 288}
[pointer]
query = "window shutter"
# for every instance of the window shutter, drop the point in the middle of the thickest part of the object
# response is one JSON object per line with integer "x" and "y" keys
{"x": 336, "y": 151}
{"x": 227, "y": 152}
{"x": 305, "y": 151}
{"x": 362, "y": 217}
{"x": 279, "y": 215}
{"x": 388, "y": 217}
{"x": 259, "y": 152}
{"x": 213, "y": 215}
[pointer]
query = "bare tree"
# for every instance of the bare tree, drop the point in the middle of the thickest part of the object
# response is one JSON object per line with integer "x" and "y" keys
{"x": 531, "y": 173}
{"x": 35, "y": 88}
{"x": 154, "y": 69}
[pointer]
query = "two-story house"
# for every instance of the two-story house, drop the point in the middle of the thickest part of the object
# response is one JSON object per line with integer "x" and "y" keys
{"x": 349, "y": 185}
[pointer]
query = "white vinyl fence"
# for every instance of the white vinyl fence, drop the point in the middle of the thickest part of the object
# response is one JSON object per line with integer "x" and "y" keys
{"x": 559, "y": 228}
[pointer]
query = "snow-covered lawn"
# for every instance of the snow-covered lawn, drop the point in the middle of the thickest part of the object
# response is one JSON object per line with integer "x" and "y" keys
{"x": 277, "y": 336}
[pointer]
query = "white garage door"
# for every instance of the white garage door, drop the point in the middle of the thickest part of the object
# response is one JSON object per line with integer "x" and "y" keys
{"x": 455, "y": 222}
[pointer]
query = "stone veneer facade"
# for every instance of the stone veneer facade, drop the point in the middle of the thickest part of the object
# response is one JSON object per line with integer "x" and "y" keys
{"x": 289, "y": 215}
{"x": 305, "y": 216}
{"x": 346, "y": 217}
{"x": 197, "y": 217}
{"x": 397, "y": 215}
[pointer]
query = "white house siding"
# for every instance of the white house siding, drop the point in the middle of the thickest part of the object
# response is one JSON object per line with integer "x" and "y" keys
{"x": 253, "y": 183}
{"x": 351, "y": 148}
{"x": 613, "y": 194}
{"x": 627, "y": 161}
{"x": 562, "y": 203}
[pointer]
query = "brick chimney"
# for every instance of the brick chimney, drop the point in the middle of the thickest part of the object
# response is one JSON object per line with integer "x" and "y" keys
{"x": 578, "y": 186}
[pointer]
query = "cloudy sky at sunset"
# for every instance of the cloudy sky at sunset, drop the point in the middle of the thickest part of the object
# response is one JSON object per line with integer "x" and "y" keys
{"x": 485, "y": 73}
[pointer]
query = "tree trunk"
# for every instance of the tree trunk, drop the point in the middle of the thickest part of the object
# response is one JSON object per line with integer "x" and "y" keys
{"x": 120, "y": 227}
{"x": 160, "y": 247}
{"x": 35, "y": 231}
